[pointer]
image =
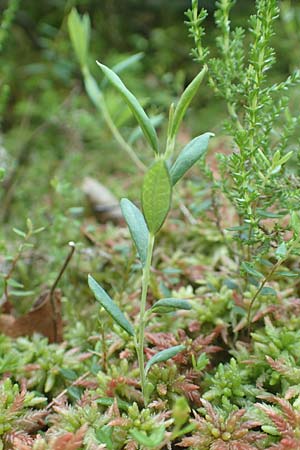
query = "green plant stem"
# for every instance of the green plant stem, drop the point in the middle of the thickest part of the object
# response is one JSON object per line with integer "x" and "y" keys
{"x": 198, "y": 36}
{"x": 119, "y": 138}
{"x": 99, "y": 101}
{"x": 13, "y": 266}
{"x": 170, "y": 139}
{"x": 54, "y": 285}
{"x": 170, "y": 147}
{"x": 103, "y": 347}
{"x": 267, "y": 278}
{"x": 142, "y": 324}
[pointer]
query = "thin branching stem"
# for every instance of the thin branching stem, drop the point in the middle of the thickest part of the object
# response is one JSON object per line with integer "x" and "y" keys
{"x": 7, "y": 277}
{"x": 268, "y": 278}
{"x": 54, "y": 285}
{"x": 119, "y": 138}
{"x": 142, "y": 324}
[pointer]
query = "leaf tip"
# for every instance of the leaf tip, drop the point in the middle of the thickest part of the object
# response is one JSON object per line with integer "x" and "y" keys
{"x": 100, "y": 64}
{"x": 91, "y": 280}
{"x": 123, "y": 201}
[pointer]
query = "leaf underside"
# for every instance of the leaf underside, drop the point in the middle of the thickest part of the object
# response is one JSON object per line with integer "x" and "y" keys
{"x": 137, "y": 227}
{"x": 190, "y": 154}
{"x": 166, "y": 305}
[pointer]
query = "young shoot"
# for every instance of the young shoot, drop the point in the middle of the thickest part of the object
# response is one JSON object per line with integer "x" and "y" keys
{"x": 158, "y": 183}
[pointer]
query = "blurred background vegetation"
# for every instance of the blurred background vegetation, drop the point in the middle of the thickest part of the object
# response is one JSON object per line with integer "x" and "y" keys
{"x": 51, "y": 135}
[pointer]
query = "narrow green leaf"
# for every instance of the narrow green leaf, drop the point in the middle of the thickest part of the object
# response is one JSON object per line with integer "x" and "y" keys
{"x": 38, "y": 230}
{"x": 238, "y": 228}
{"x": 149, "y": 441}
{"x": 27, "y": 245}
{"x": 108, "y": 304}
{"x": 287, "y": 273}
{"x": 185, "y": 100}
{"x": 265, "y": 262}
{"x": 250, "y": 269}
{"x": 68, "y": 374}
{"x": 189, "y": 155}
{"x": 74, "y": 392}
{"x": 132, "y": 102}
{"x": 170, "y": 123}
{"x": 92, "y": 88}
{"x": 164, "y": 355}
{"x": 124, "y": 64}
{"x": 14, "y": 283}
{"x": 79, "y": 30}
{"x": 127, "y": 62}
{"x": 156, "y": 195}
{"x": 17, "y": 293}
{"x": 167, "y": 305}
{"x": 137, "y": 132}
{"x": 285, "y": 158}
{"x": 270, "y": 214}
{"x": 137, "y": 227}
{"x": 19, "y": 232}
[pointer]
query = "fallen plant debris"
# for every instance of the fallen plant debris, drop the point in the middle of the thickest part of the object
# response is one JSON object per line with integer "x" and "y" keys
{"x": 38, "y": 320}
{"x": 104, "y": 204}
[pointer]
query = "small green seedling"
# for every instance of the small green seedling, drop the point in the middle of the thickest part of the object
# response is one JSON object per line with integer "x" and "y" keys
{"x": 144, "y": 225}
{"x": 158, "y": 184}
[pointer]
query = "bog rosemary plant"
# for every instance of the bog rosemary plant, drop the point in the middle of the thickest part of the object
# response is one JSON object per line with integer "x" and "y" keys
{"x": 158, "y": 183}
{"x": 257, "y": 178}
